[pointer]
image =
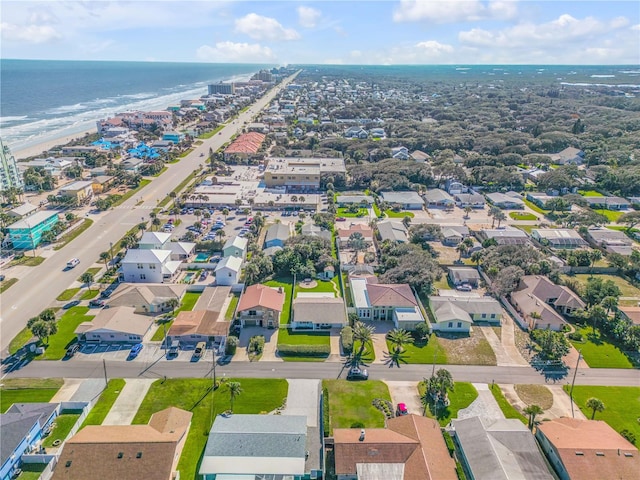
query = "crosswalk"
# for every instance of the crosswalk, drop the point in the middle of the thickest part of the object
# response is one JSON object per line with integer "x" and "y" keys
{"x": 143, "y": 207}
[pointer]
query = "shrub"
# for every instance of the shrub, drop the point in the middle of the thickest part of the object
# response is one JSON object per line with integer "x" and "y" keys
{"x": 346, "y": 339}
{"x": 357, "y": 425}
{"x": 422, "y": 330}
{"x": 629, "y": 435}
{"x": 385, "y": 406}
{"x": 449, "y": 442}
{"x": 256, "y": 344}
{"x": 232, "y": 345}
{"x": 304, "y": 350}
{"x": 326, "y": 424}
{"x": 576, "y": 336}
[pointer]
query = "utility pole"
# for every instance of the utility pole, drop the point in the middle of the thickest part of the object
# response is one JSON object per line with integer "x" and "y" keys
{"x": 575, "y": 372}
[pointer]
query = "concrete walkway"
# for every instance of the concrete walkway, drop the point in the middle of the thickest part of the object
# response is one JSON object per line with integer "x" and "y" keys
{"x": 334, "y": 339}
{"x": 127, "y": 404}
{"x": 68, "y": 389}
{"x": 485, "y": 406}
{"x": 502, "y": 358}
{"x": 302, "y": 399}
{"x": 407, "y": 393}
{"x": 508, "y": 339}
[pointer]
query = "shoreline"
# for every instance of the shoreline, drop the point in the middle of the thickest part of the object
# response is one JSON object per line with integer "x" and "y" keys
{"x": 41, "y": 148}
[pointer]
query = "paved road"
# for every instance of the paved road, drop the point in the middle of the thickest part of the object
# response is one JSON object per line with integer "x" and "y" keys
{"x": 184, "y": 369}
{"x": 38, "y": 288}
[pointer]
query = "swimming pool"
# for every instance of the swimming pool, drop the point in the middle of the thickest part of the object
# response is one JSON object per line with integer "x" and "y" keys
{"x": 201, "y": 258}
{"x": 188, "y": 278}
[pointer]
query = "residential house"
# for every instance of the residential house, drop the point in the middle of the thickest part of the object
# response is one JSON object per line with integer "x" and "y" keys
{"x": 587, "y": 450}
{"x": 611, "y": 241}
{"x": 22, "y": 427}
{"x": 173, "y": 137}
{"x": 115, "y": 325}
{"x": 377, "y": 301}
{"x": 345, "y": 233}
{"x": 356, "y": 132}
{"x": 464, "y": 276}
{"x": 558, "y": 238}
{"x": 454, "y": 187}
{"x": 55, "y": 166}
{"x": 504, "y": 236}
{"x": 499, "y": 449}
{"x": 457, "y": 314}
{"x": 608, "y": 203}
{"x": 277, "y": 235}
{"x": 420, "y": 157}
{"x": 632, "y": 314}
{"x": 132, "y": 165}
{"x": 22, "y": 211}
{"x": 407, "y": 200}
{"x": 410, "y": 447}
{"x": 257, "y": 446}
{"x": 162, "y": 241}
{"x": 348, "y": 200}
{"x": 27, "y": 233}
{"x": 228, "y": 271}
{"x": 312, "y": 230}
{"x": 377, "y": 133}
{"x": 101, "y": 183}
{"x": 318, "y": 311}
{"x": 452, "y": 235}
{"x": 124, "y": 452}
{"x": 507, "y": 201}
{"x": 537, "y": 294}
{"x": 436, "y": 198}
{"x": 149, "y": 266}
{"x": 81, "y": 191}
{"x": 235, "y": 247}
{"x": 261, "y": 306}
{"x": 400, "y": 153}
{"x": 392, "y": 230}
{"x": 541, "y": 199}
{"x": 473, "y": 200}
{"x": 146, "y": 298}
{"x": 568, "y": 156}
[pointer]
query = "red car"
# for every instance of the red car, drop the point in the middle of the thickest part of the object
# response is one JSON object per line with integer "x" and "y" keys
{"x": 341, "y": 219}
{"x": 401, "y": 410}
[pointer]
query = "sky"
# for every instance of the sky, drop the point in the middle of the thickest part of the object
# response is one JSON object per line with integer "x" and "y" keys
{"x": 325, "y": 32}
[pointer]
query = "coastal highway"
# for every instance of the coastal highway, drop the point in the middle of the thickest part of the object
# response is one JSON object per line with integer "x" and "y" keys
{"x": 84, "y": 368}
{"x": 41, "y": 285}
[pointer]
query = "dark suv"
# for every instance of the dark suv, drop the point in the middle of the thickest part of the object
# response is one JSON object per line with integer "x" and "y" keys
{"x": 357, "y": 373}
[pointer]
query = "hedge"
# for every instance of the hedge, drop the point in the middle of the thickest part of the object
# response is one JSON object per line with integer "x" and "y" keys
{"x": 304, "y": 350}
{"x": 346, "y": 339}
{"x": 326, "y": 424}
{"x": 231, "y": 346}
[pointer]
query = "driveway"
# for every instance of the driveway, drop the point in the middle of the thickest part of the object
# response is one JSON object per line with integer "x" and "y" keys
{"x": 380, "y": 340}
{"x": 485, "y": 406}
{"x": 561, "y": 403}
{"x": 270, "y": 344}
{"x": 303, "y": 399}
{"x": 407, "y": 393}
{"x": 128, "y": 402}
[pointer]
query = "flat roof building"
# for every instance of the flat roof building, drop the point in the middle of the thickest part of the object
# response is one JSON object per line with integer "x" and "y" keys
{"x": 300, "y": 173}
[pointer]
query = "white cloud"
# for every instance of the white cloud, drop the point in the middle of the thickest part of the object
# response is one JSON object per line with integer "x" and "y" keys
{"x": 264, "y": 28}
{"x": 235, "y": 53}
{"x": 308, "y": 17}
{"x": 636, "y": 27}
{"x": 451, "y": 11}
{"x": 29, "y": 33}
{"x": 434, "y": 48}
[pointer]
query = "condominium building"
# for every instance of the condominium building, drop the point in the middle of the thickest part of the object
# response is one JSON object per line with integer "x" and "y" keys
{"x": 10, "y": 176}
{"x": 301, "y": 173}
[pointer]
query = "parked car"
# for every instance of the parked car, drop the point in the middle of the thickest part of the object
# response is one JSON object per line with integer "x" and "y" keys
{"x": 199, "y": 351}
{"x": 465, "y": 287}
{"x": 73, "y": 349}
{"x": 341, "y": 219}
{"x": 135, "y": 350}
{"x": 401, "y": 410}
{"x": 357, "y": 373}
{"x": 2, "y": 277}
{"x": 174, "y": 349}
{"x": 73, "y": 263}
{"x": 97, "y": 302}
{"x": 72, "y": 304}
{"x": 203, "y": 275}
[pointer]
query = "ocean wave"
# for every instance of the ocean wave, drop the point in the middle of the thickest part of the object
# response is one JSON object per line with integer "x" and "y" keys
{"x": 67, "y": 109}
{"x": 630, "y": 71}
{"x": 612, "y": 85}
{"x": 138, "y": 96}
{"x": 13, "y": 119}
{"x": 603, "y": 76}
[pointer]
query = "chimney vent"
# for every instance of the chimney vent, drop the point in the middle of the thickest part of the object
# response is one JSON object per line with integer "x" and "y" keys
{"x": 362, "y": 435}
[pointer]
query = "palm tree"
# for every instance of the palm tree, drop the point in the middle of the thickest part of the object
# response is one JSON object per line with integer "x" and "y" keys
{"x": 87, "y": 277}
{"x": 362, "y": 333}
{"x": 357, "y": 243}
{"x": 225, "y": 213}
{"x": 462, "y": 250}
{"x": 104, "y": 256}
{"x": 399, "y": 338}
{"x": 467, "y": 211}
{"x": 444, "y": 382}
{"x": 172, "y": 303}
{"x": 156, "y": 222}
{"x": 220, "y": 234}
{"x": 500, "y": 216}
{"x": 492, "y": 213}
{"x": 533, "y": 411}
{"x": 596, "y": 405}
{"x": 251, "y": 273}
{"x": 594, "y": 256}
{"x": 235, "y": 389}
{"x": 142, "y": 226}
{"x": 610, "y": 304}
{"x": 476, "y": 257}
{"x": 406, "y": 221}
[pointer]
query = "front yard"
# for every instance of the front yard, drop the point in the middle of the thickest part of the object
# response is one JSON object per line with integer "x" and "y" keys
{"x": 303, "y": 345}
{"x": 423, "y": 352}
{"x": 27, "y": 390}
{"x": 401, "y": 214}
{"x": 599, "y": 352}
{"x": 107, "y": 398}
{"x": 344, "y": 212}
{"x": 462, "y": 349}
{"x": 350, "y": 403}
{"x": 522, "y": 216}
{"x": 67, "y": 325}
{"x": 194, "y": 395}
{"x": 462, "y": 396}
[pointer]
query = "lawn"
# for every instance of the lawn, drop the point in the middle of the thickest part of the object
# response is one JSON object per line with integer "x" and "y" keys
{"x": 31, "y": 471}
{"x": 625, "y": 287}
{"x": 509, "y": 410}
{"x": 286, "y": 336}
{"x": 350, "y": 403}
{"x": 211, "y": 133}
{"x": 526, "y": 228}
{"x": 368, "y": 354}
{"x": 443, "y": 283}
{"x": 622, "y": 405}
{"x": 344, "y": 212}
{"x": 286, "y": 284}
{"x": 27, "y": 390}
{"x": 423, "y": 352}
{"x": 93, "y": 271}
{"x": 5, "y": 284}
{"x": 599, "y": 352}
{"x": 68, "y": 294}
{"x": 462, "y": 349}
{"x": 20, "y": 340}
{"x": 194, "y": 395}
{"x": 401, "y": 214}
{"x": 522, "y": 216}
{"x": 462, "y": 396}
{"x": 535, "y": 395}
{"x": 610, "y": 214}
{"x": 107, "y": 398}
{"x": 143, "y": 183}
{"x": 322, "y": 286}
{"x": 534, "y": 207}
{"x": 67, "y": 324}
{"x": 232, "y": 308}
{"x": 376, "y": 210}
{"x": 26, "y": 261}
{"x": 76, "y": 232}
{"x": 187, "y": 303}
{"x": 89, "y": 294}
{"x": 62, "y": 426}
{"x": 590, "y": 193}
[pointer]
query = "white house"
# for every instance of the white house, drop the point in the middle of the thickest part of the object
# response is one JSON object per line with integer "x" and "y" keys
{"x": 148, "y": 266}
{"x": 115, "y": 325}
{"x": 228, "y": 270}
{"x": 235, "y": 247}
{"x": 161, "y": 241}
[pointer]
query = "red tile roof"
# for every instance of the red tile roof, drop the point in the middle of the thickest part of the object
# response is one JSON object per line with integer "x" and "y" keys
{"x": 246, "y": 143}
{"x": 261, "y": 296}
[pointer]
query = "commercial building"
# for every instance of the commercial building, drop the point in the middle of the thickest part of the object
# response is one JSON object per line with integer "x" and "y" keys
{"x": 221, "y": 89}
{"x": 244, "y": 148}
{"x": 27, "y": 233}
{"x": 301, "y": 174}
{"x": 10, "y": 176}
{"x": 80, "y": 191}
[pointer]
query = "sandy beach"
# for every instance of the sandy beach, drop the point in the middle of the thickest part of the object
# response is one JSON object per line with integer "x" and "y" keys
{"x": 48, "y": 145}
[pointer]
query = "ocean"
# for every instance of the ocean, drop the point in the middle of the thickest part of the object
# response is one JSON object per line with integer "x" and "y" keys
{"x": 43, "y": 100}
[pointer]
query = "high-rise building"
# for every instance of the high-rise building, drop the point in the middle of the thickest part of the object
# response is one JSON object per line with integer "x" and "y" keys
{"x": 222, "y": 88}
{"x": 10, "y": 176}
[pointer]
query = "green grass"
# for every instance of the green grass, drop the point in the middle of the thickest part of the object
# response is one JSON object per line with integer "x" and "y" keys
{"x": 534, "y": 207}
{"x": 164, "y": 169}
{"x": 63, "y": 425}
{"x": 423, "y": 352}
{"x": 31, "y": 471}
{"x": 5, "y": 284}
{"x": 194, "y": 395}
{"x": 344, "y": 212}
{"x": 376, "y": 210}
{"x": 509, "y": 410}
{"x": 93, "y": 271}
{"x": 286, "y": 336}
{"x": 599, "y": 352}
{"x": 613, "y": 216}
{"x": 626, "y": 289}
{"x": 89, "y": 294}
{"x": 188, "y": 302}
{"x": 526, "y": 228}
{"x": 76, "y": 232}
{"x": 27, "y": 390}
{"x": 322, "y": 287}
{"x": 68, "y": 294}
{"x": 350, "y": 403}
{"x": 401, "y": 214}
{"x": 143, "y": 183}
{"x": 211, "y": 133}
{"x": 522, "y": 216}
{"x": 67, "y": 324}
{"x": 287, "y": 286}
{"x": 185, "y": 153}
{"x": 20, "y": 340}
{"x": 107, "y": 398}
{"x": 368, "y": 354}
{"x": 590, "y": 193}
{"x": 622, "y": 405}
{"x": 462, "y": 396}
{"x": 232, "y": 308}
{"x": 443, "y": 283}
{"x": 26, "y": 261}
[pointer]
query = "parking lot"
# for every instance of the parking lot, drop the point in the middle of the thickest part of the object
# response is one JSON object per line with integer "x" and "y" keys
{"x": 149, "y": 354}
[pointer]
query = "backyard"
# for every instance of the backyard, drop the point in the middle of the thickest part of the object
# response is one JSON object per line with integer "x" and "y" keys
{"x": 626, "y": 289}
{"x": 522, "y": 216}
{"x": 62, "y": 426}
{"x": 186, "y": 305}
{"x": 610, "y": 214}
{"x": 461, "y": 397}
{"x": 598, "y": 351}
{"x": 322, "y": 286}
{"x": 194, "y": 395}
{"x": 286, "y": 284}
{"x": 27, "y": 390}
{"x": 350, "y": 403}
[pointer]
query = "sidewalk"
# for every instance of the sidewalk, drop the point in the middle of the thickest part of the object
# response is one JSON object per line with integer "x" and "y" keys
{"x": 127, "y": 404}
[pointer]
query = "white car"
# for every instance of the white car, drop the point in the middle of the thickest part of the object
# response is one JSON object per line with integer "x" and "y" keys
{"x": 73, "y": 262}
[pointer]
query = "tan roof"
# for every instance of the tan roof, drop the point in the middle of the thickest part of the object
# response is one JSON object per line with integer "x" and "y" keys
{"x": 319, "y": 310}
{"x": 411, "y": 440}
{"x": 391, "y": 295}
{"x": 123, "y": 452}
{"x": 132, "y": 295}
{"x": 118, "y": 319}
{"x": 545, "y": 289}
{"x": 212, "y": 298}
{"x": 366, "y": 231}
{"x": 199, "y": 322}
{"x": 632, "y": 313}
{"x": 262, "y": 296}
{"x": 591, "y": 449}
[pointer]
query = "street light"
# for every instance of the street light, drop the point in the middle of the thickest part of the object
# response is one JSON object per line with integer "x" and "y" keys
{"x": 111, "y": 250}
{"x": 575, "y": 372}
